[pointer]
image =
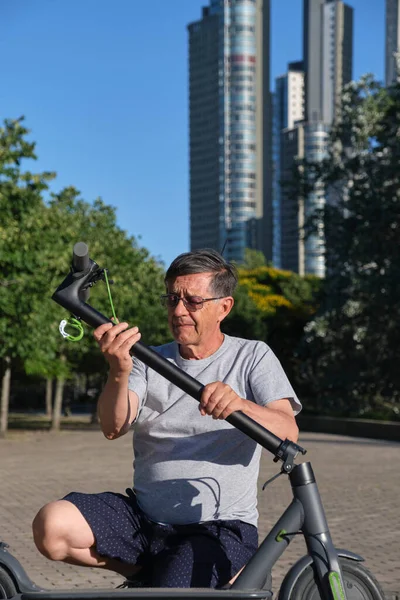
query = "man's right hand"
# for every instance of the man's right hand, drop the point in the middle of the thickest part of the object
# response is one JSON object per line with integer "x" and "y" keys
{"x": 115, "y": 341}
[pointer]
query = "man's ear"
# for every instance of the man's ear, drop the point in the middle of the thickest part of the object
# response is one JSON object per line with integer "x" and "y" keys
{"x": 226, "y": 305}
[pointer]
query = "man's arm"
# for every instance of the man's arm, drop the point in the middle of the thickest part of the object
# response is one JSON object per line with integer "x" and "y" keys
{"x": 219, "y": 400}
{"x": 117, "y": 405}
{"x": 277, "y": 416}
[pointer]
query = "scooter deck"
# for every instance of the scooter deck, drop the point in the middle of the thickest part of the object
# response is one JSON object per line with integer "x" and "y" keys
{"x": 144, "y": 594}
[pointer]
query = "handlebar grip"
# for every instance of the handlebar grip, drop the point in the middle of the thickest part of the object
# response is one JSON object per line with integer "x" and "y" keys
{"x": 80, "y": 263}
{"x": 80, "y": 257}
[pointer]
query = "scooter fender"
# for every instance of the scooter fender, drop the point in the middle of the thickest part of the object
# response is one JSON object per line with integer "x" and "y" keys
{"x": 301, "y": 565}
{"x": 16, "y": 571}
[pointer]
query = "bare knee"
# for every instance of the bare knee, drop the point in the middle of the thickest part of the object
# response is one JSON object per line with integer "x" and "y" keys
{"x": 49, "y": 531}
{"x": 58, "y": 528}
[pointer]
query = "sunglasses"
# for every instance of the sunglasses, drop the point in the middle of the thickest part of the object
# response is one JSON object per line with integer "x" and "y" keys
{"x": 192, "y": 303}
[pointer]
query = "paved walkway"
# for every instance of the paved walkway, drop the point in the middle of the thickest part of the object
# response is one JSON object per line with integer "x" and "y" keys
{"x": 358, "y": 480}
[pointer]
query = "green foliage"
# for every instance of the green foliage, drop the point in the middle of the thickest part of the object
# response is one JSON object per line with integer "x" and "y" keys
{"x": 351, "y": 351}
{"x": 138, "y": 278}
{"x": 274, "y": 305}
{"x": 253, "y": 259}
{"x": 245, "y": 319}
{"x": 22, "y": 208}
{"x": 272, "y": 289}
{"x": 36, "y": 242}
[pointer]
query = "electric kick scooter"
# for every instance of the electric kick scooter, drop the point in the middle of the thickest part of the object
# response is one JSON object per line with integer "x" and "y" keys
{"x": 325, "y": 573}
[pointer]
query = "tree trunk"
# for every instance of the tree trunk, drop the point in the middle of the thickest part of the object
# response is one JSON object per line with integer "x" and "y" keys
{"x": 49, "y": 397}
{"x": 94, "y": 418}
{"x": 56, "y": 418}
{"x": 5, "y": 396}
{"x": 58, "y": 398}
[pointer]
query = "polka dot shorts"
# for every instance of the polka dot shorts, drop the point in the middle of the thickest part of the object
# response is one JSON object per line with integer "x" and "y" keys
{"x": 196, "y": 555}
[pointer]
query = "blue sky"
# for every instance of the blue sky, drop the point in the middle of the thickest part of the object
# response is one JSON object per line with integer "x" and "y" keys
{"x": 103, "y": 87}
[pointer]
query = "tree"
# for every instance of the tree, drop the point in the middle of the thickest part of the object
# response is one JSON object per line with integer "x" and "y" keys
{"x": 21, "y": 208}
{"x": 36, "y": 242}
{"x": 245, "y": 319}
{"x": 138, "y": 281}
{"x": 253, "y": 259}
{"x": 350, "y": 350}
{"x": 273, "y": 305}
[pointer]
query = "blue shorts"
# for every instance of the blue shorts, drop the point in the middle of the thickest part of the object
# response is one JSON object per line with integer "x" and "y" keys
{"x": 196, "y": 555}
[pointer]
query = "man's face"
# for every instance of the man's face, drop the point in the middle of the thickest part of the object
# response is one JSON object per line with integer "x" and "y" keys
{"x": 199, "y": 327}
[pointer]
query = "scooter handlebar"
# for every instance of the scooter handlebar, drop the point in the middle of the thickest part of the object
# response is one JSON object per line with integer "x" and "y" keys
{"x": 80, "y": 257}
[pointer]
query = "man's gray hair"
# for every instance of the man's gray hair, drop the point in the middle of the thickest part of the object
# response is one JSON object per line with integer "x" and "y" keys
{"x": 205, "y": 260}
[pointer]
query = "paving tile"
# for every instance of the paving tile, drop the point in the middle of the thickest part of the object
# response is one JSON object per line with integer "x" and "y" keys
{"x": 358, "y": 479}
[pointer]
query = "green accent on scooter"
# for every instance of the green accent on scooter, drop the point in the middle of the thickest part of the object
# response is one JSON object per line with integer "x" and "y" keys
{"x": 280, "y": 535}
{"x": 336, "y": 586}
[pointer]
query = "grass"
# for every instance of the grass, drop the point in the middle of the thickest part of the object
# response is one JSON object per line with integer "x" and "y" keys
{"x": 34, "y": 422}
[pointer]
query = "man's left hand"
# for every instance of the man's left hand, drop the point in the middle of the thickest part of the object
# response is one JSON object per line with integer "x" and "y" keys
{"x": 219, "y": 400}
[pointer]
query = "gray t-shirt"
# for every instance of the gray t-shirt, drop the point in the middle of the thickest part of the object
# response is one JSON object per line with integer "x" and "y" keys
{"x": 190, "y": 468}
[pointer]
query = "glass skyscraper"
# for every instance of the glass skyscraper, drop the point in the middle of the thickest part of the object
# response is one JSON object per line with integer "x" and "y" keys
{"x": 392, "y": 40}
{"x": 288, "y": 109}
{"x": 328, "y": 62}
{"x": 230, "y": 128}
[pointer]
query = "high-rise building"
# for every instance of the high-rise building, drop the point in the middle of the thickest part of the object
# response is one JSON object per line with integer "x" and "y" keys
{"x": 291, "y": 205}
{"x": 392, "y": 40}
{"x": 328, "y": 63}
{"x": 328, "y": 56}
{"x": 316, "y": 139}
{"x": 288, "y": 109}
{"x": 230, "y": 128}
{"x": 312, "y": 56}
{"x": 301, "y": 252}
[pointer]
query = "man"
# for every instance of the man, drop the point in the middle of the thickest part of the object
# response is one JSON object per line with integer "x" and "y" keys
{"x": 191, "y": 518}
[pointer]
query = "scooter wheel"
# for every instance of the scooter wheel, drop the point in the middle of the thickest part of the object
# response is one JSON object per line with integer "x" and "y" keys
{"x": 7, "y": 586}
{"x": 359, "y": 583}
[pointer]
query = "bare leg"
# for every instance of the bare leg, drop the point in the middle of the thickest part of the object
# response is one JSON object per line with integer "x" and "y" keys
{"x": 61, "y": 532}
{"x": 235, "y": 576}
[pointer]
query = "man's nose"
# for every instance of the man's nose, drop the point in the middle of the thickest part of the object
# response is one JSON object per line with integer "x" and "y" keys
{"x": 180, "y": 308}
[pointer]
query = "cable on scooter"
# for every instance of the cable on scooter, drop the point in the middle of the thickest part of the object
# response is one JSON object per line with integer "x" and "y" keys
{"x": 76, "y": 324}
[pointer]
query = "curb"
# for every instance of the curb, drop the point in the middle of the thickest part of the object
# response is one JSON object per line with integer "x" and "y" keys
{"x": 366, "y": 428}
